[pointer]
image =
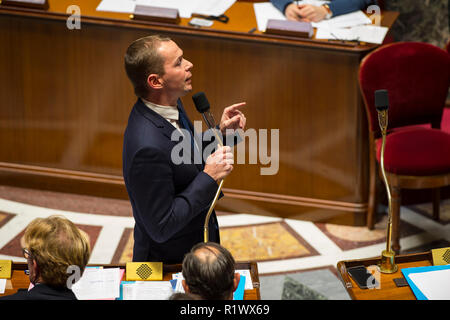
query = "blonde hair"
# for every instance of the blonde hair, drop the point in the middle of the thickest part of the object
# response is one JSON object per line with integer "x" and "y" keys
{"x": 56, "y": 243}
{"x": 142, "y": 59}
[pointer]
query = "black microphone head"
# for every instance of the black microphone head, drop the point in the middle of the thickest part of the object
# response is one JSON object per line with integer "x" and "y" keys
{"x": 381, "y": 100}
{"x": 200, "y": 101}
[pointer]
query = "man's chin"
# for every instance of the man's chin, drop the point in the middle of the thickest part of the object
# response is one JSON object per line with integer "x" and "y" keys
{"x": 187, "y": 89}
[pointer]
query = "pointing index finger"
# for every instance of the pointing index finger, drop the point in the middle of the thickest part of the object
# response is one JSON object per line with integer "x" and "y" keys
{"x": 237, "y": 105}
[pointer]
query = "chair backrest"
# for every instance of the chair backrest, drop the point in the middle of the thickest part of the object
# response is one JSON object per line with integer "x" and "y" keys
{"x": 417, "y": 77}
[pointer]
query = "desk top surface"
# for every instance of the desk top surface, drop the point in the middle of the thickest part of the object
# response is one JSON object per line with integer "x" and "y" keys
{"x": 242, "y": 21}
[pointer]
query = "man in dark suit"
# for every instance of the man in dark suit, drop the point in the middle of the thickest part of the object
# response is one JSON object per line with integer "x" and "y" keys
{"x": 315, "y": 13}
{"x": 169, "y": 199}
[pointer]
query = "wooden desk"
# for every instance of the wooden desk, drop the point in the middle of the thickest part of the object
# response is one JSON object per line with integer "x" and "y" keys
{"x": 388, "y": 290}
{"x": 65, "y": 101}
{"x": 20, "y": 280}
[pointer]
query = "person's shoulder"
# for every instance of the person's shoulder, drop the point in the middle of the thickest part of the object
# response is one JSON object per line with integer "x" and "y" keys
{"x": 45, "y": 292}
{"x": 21, "y": 294}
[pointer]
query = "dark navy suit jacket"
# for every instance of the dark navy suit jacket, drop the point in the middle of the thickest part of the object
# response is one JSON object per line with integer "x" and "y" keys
{"x": 338, "y": 7}
{"x": 42, "y": 291}
{"x": 169, "y": 200}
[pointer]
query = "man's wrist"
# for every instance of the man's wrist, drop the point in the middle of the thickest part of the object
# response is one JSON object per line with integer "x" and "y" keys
{"x": 329, "y": 13}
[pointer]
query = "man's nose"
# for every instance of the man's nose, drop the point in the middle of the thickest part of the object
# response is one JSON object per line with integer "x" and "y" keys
{"x": 189, "y": 65}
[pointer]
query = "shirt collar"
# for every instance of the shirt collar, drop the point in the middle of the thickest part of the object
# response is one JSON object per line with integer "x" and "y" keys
{"x": 167, "y": 112}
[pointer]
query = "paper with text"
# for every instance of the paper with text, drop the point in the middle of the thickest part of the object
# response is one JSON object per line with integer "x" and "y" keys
{"x": 97, "y": 283}
{"x": 147, "y": 290}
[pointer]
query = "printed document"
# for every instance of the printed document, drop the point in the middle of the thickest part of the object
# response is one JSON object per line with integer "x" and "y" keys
{"x": 97, "y": 283}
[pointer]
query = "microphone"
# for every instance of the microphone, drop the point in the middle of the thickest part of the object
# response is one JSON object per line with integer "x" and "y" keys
{"x": 381, "y": 100}
{"x": 202, "y": 106}
{"x": 387, "y": 264}
{"x": 382, "y": 106}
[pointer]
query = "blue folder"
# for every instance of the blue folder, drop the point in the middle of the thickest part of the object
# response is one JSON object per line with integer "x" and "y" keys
{"x": 239, "y": 293}
{"x": 407, "y": 271}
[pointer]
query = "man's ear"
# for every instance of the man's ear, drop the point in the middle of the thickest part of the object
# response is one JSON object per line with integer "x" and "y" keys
{"x": 237, "y": 278}
{"x": 154, "y": 81}
{"x": 185, "y": 286}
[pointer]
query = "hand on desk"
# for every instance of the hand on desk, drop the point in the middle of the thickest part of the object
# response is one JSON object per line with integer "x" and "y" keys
{"x": 305, "y": 12}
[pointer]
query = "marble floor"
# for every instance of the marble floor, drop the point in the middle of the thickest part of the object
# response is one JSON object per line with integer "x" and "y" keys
{"x": 296, "y": 259}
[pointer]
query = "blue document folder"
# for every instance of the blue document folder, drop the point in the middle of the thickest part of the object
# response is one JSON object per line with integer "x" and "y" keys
{"x": 239, "y": 293}
{"x": 408, "y": 271}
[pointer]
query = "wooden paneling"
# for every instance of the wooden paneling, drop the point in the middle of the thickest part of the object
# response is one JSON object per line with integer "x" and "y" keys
{"x": 65, "y": 101}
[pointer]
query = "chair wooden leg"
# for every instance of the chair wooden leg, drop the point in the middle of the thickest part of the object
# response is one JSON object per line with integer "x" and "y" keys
{"x": 396, "y": 202}
{"x": 436, "y": 203}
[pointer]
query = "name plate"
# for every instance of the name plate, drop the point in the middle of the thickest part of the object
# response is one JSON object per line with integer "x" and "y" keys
{"x": 5, "y": 269}
{"x": 156, "y": 14}
{"x": 441, "y": 256}
{"x": 35, "y": 4}
{"x": 144, "y": 271}
{"x": 290, "y": 28}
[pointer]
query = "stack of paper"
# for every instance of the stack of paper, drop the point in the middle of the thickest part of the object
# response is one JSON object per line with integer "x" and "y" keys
{"x": 185, "y": 8}
{"x": 98, "y": 284}
{"x": 367, "y": 33}
{"x": 146, "y": 290}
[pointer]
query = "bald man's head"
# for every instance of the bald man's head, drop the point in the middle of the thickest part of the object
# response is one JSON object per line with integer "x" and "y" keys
{"x": 209, "y": 271}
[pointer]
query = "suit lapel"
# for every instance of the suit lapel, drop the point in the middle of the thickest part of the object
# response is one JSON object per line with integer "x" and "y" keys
{"x": 161, "y": 123}
{"x": 199, "y": 166}
{"x": 166, "y": 128}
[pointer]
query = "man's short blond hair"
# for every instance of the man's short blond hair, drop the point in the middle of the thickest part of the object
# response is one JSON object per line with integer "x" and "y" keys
{"x": 142, "y": 59}
{"x": 56, "y": 243}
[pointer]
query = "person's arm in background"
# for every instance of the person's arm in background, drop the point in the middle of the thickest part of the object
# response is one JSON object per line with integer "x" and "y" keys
{"x": 288, "y": 7}
{"x": 307, "y": 12}
{"x": 339, "y": 7}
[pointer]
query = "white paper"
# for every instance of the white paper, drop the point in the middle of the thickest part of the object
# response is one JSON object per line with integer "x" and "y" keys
{"x": 122, "y": 6}
{"x": 369, "y": 33}
{"x": 435, "y": 285}
{"x": 147, "y": 290}
{"x": 265, "y": 11}
{"x": 248, "y": 278}
{"x": 213, "y": 7}
{"x": 97, "y": 284}
{"x": 2, "y": 286}
{"x": 344, "y": 21}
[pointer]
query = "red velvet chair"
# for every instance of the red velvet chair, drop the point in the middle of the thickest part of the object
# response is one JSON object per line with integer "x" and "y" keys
{"x": 417, "y": 156}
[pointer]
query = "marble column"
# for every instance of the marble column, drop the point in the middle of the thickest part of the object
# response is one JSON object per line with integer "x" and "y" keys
{"x": 421, "y": 20}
